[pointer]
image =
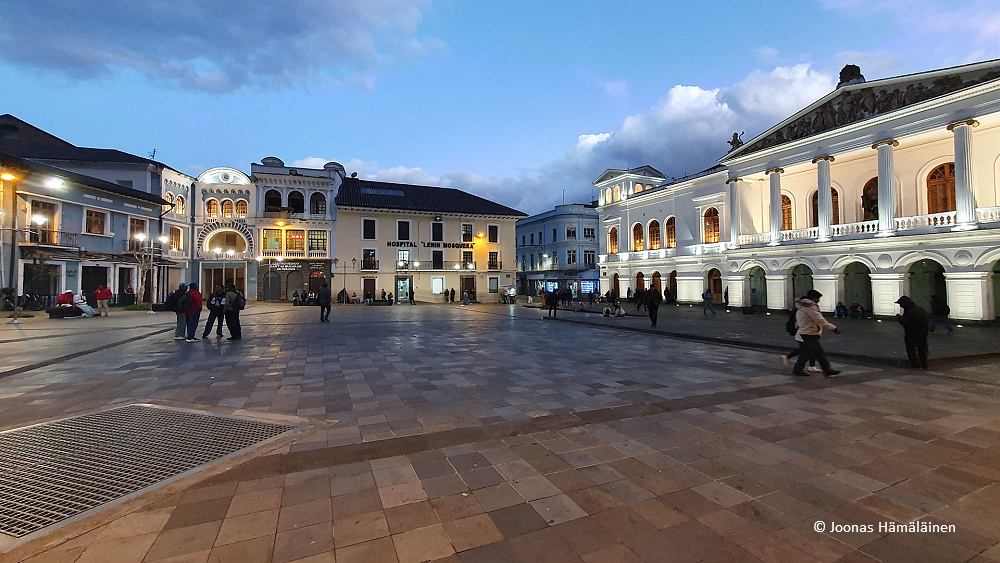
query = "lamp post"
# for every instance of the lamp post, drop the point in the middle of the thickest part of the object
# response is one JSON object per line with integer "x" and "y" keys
{"x": 37, "y": 220}
{"x": 354, "y": 262}
{"x": 141, "y": 237}
{"x": 230, "y": 253}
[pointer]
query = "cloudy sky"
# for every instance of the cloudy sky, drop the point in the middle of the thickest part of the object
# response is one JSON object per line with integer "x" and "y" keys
{"x": 516, "y": 101}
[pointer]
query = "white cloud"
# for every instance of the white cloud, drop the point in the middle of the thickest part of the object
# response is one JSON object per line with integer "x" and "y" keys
{"x": 766, "y": 54}
{"x": 219, "y": 45}
{"x": 618, "y": 88}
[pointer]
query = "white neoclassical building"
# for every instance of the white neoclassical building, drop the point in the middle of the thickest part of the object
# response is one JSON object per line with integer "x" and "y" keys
{"x": 875, "y": 190}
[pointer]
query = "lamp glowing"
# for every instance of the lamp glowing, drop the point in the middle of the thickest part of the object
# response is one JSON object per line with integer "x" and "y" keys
{"x": 231, "y": 252}
{"x": 54, "y": 183}
{"x": 38, "y": 219}
{"x": 281, "y": 223}
{"x": 141, "y": 237}
{"x": 416, "y": 264}
{"x": 217, "y": 250}
{"x": 8, "y": 176}
{"x": 281, "y": 258}
{"x": 260, "y": 258}
{"x": 163, "y": 239}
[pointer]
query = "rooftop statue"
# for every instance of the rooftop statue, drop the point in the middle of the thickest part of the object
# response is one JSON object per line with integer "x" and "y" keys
{"x": 737, "y": 141}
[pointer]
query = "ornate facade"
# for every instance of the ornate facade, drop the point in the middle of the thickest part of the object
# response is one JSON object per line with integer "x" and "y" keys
{"x": 876, "y": 190}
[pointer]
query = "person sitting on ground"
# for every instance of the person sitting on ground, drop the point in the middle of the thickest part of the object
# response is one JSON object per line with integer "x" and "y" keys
{"x": 295, "y": 298}
{"x": 81, "y": 302}
{"x": 857, "y": 311}
{"x": 840, "y": 312}
{"x": 619, "y": 312}
{"x": 354, "y": 297}
{"x": 65, "y": 299}
{"x": 580, "y": 308}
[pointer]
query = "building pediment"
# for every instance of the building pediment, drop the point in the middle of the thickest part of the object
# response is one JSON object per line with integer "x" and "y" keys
{"x": 645, "y": 171}
{"x": 860, "y": 101}
{"x": 224, "y": 176}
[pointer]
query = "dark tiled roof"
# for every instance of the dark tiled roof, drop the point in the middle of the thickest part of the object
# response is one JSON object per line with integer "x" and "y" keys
{"x": 85, "y": 154}
{"x": 96, "y": 183}
{"x": 384, "y": 195}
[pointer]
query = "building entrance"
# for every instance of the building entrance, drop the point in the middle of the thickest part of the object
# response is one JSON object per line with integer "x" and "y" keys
{"x": 469, "y": 285}
{"x": 210, "y": 277}
{"x": 758, "y": 287}
{"x": 403, "y": 286}
{"x": 90, "y": 278}
{"x": 369, "y": 288}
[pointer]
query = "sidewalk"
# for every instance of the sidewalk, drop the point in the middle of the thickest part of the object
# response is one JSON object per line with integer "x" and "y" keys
{"x": 865, "y": 340}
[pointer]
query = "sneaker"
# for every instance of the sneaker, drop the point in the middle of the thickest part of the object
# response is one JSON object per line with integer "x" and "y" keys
{"x": 784, "y": 360}
{"x": 813, "y": 369}
{"x": 192, "y": 340}
{"x": 830, "y": 373}
{"x": 179, "y": 338}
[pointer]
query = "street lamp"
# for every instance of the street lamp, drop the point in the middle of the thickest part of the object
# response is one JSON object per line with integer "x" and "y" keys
{"x": 141, "y": 237}
{"x": 354, "y": 262}
{"x": 37, "y": 220}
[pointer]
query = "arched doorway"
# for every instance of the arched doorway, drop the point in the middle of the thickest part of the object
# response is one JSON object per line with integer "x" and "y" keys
{"x": 802, "y": 280}
{"x": 295, "y": 283}
{"x": 758, "y": 287}
{"x": 713, "y": 280}
{"x": 640, "y": 282}
{"x": 672, "y": 284}
{"x": 835, "y": 211}
{"x": 926, "y": 278}
{"x": 858, "y": 285}
{"x": 272, "y": 286}
{"x": 226, "y": 240}
{"x": 614, "y": 285}
{"x": 655, "y": 283}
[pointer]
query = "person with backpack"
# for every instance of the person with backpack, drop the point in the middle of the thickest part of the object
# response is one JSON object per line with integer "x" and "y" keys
{"x": 939, "y": 315}
{"x": 215, "y": 315}
{"x": 192, "y": 313}
{"x": 914, "y": 321}
{"x": 793, "y": 330}
{"x": 706, "y": 302}
{"x": 811, "y": 324}
{"x": 235, "y": 302}
{"x": 652, "y": 298}
{"x": 179, "y": 301}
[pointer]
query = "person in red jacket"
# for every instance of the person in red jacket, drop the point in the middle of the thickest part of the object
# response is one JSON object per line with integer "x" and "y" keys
{"x": 65, "y": 299}
{"x": 103, "y": 296}
{"x": 193, "y": 313}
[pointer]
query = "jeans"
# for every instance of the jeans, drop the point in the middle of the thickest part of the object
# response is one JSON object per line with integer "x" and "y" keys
{"x": 233, "y": 324}
{"x": 181, "y": 329}
{"x": 942, "y": 320}
{"x": 192, "y": 325}
{"x": 706, "y": 306}
{"x": 811, "y": 349}
{"x": 324, "y": 311}
{"x": 214, "y": 317}
{"x": 653, "y": 313}
{"x": 916, "y": 349}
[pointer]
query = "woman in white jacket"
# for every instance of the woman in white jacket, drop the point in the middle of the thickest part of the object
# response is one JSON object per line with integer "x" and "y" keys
{"x": 811, "y": 323}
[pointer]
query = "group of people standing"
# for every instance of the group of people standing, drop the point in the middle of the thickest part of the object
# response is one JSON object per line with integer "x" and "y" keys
{"x": 187, "y": 303}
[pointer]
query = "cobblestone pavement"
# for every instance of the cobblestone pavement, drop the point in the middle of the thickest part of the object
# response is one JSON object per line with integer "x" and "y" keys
{"x": 482, "y": 433}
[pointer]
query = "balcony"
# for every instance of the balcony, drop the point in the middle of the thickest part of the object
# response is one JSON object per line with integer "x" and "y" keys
{"x": 45, "y": 237}
{"x": 495, "y": 265}
{"x": 132, "y": 246}
{"x": 319, "y": 254}
{"x": 369, "y": 265}
{"x": 430, "y": 266}
{"x": 176, "y": 254}
{"x": 237, "y": 257}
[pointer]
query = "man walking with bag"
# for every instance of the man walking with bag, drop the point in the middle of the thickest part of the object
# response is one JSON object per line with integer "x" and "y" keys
{"x": 193, "y": 312}
{"x": 325, "y": 298}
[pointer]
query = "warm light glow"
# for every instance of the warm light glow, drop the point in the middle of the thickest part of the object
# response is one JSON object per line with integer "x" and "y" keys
{"x": 141, "y": 237}
{"x": 217, "y": 250}
{"x": 480, "y": 235}
{"x": 472, "y": 267}
{"x": 281, "y": 258}
{"x": 457, "y": 266}
{"x": 54, "y": 183}
{"x": 231, "y": 252}
{"x": 416, "y": 264}
{"x": 8, "y": 176}
{"x": 260, "y": 258}
{"x": 38, "y": 219}
{"x": 281, "y": 223}
{"x": 163, "y": 239}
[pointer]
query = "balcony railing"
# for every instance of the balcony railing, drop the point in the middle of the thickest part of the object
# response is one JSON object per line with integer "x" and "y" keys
{"x": 430, "y": 265}
{"x": 369, "y": 264}
{"x": 798, "y": 234}
{"x": 133, "y": 246}
{"x": 947, "y": 219}
{"x": 237, "y": 257}
{"x": 176, "y": 254}
{"x": 319, "y": 254}
{"x": 495, "y": 265}
{"x": 49, "y": 238}
{"x": 755, "y": 238}
{"x": 864, "y": 227}
{"x": 988, "y": 214}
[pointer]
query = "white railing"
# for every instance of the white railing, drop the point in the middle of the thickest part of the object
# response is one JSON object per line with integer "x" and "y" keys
{"x": 609, "y": 258}
{"x": 947, "y": 219}
{"x": 710, "y": 248}
{"x": 271, "y": 253}
{"x": 180, "y": 254}
{"x": 222, "y": 257}
{"x": 988, "y": 214}
{"x": 864, "y": 227}
{"x": 799, "y": 234}
{"x": 318, "y": 254}
{"x": 755, "y": 238}
{"x": 295, "y": 254}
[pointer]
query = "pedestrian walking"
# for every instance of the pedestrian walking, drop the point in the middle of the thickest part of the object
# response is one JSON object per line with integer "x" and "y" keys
{"x": 939, "y": 314}
{"x": 103, "y": 296}
{"x": 178, "y": 302}
{"x": 325, "y": 298}
{"x": 792, "y": 328}
{"x": 383, "y": 295}
{"x": 668, "y": 297}
{"x": 811, "y": 324}
{"x": 216, "y": 301}
{"x": 725, "y": 297}
{"x": 706, "y": 302}
{"x": 193, "y": 312}
{"x": 553, "y": 302}
{"x": 590, "y": 296}
{"x": 652, "y": 305}
{"x": 466, "y": 297}
{"x": 640, "y": 299}
{"x": 412, "y": 302}
{"x": 235, "y": 302}
{"x": 628, "y": 295}
{"x": 915, "y": 329}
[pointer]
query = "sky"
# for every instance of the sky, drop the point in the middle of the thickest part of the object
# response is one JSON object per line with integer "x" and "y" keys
{"x": 524, "y": 103}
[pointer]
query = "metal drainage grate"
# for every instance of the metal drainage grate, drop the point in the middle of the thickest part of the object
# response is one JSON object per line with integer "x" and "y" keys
{"x": 55, "y": 470}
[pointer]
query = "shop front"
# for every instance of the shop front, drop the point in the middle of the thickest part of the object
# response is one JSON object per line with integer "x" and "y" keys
{"x": 280, "y": 281}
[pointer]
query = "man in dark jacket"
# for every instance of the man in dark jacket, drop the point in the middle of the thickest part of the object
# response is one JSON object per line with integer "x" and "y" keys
{"x": 914, "y": 321}
{"x": 652, "y": 304}
{"x": 552, "y": 300}
{"x": 325, "y": 297}
{"x": 939, "y": 314}
{"x": 215, "y": 304}
{"x": 231, "y": 311}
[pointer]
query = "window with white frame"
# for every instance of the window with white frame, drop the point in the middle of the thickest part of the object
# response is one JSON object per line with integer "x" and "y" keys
{"x": 494, "y": 284}
{"x": 590, "y": 257}
{"x": 437, "y": 231}
{"x": 467, "y": 235}
{"x": 570, "y": 233}
{"x": 589, "y": 233}
{"x": 570, "y": 257}
{"x": 96, "y": 222}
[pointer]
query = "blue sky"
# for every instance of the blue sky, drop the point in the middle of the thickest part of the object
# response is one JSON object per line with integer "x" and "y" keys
{"x": 515, "y": 101}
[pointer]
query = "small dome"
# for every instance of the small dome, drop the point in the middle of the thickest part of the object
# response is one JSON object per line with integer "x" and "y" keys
{"x": 272, "y": 161}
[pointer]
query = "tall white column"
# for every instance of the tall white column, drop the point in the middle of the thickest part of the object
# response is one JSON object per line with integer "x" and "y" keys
{"x": 970, "y": 295}
{"x": 775, "y": 174}
{"x": 734, "y": 211}
{"x": 965, "y": 197}
{"x": 825, "y": 199}
{"x": 777, "y": 291}
{"x": 886, "y": 188}
{"x": 829, "y": 286}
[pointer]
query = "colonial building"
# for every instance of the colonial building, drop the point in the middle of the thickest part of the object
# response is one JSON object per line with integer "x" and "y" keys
{"x": 400, "y": 237}
{"x": 75, "y": 217}
{"x": 558, "y": 249}
{"x": 877, "y": 189}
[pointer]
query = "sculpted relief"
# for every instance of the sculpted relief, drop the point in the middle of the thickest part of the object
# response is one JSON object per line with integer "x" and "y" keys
{"x": 863, "y": 103}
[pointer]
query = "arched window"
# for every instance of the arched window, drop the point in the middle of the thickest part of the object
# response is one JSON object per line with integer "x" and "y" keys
{"x": 607, "y": 196}
{"x": 613, "y": 241}
{"x": 317, "y": 204}
{"x": 941, "y": 189}
{"x": 711, "y": 221}
{"x": 835, "y": 220}
{"x": 786, "y": 213}
{"x": 297, "y": 202}
{"x": 227, "y": 208}
{"x": 618, "y": 193}
{"x": 176, "y": 238}
{"x": 869, "y": 200}
{"x": 211, "y": 208}
{"x": 169, "y": 198}
{"x": 671, "y": 229}
{"x": 272, "y": 200}
{"x": 638, "y": 188}
{"x": 654, "y": 235}
{"x": 637, "y": 241}
{"x": 241, "y": 208}
{"x": 179, "y": 205}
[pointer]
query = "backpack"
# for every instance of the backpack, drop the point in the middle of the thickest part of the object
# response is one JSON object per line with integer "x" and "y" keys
{"x": 947, "y": 310}
{"x": 790, "y": 327}
{"x": 240, "y": 302}
{"x": 706, "y": 295}
{"x": 183, "y": 303}
{"x": 170, "y": 303}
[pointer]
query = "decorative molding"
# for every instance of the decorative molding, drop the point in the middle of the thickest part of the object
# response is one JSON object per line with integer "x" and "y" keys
{"x": 237, "y": 225}
{"x": 824, "y": 157}
{"x": 969, "y": 122}
{"x": 778, "y": 170}
{"x": 892, "y": 142}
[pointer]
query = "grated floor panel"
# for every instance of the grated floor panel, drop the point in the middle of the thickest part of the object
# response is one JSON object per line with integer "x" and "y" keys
{"x": 53, "y": 471}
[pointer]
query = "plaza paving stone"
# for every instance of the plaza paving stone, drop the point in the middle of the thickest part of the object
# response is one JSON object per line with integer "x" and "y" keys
{"x": 481, "y": 433}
